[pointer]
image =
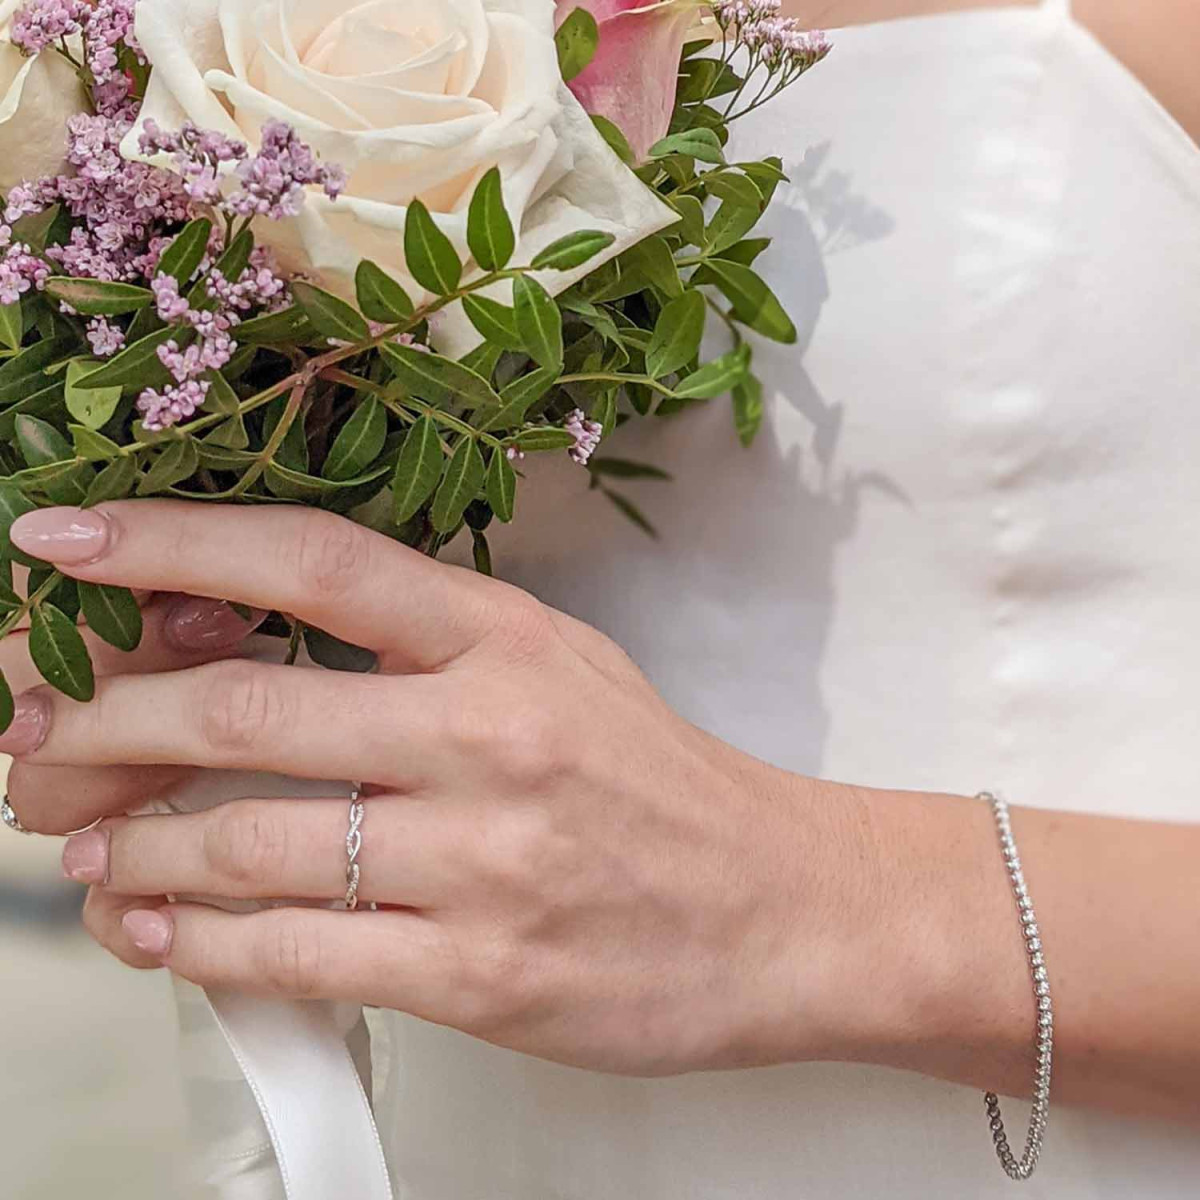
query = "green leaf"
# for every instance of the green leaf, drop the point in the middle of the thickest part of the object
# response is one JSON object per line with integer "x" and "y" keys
{"x": 621, "y": 468}
{"x": 41, "y": 443}
{"x": 179, "y": 461}
{"x": 439, "y": 380}
{"x": 715, "y": 378}
{"x": 290, "y": 484}
{"x": 330, "y": 315}
{"x": 230, "y": 435}
{"x": 745, "y": 252}
{"x": 545, "y": 437}
{"x": 753, "y": 302}
{"x": 359, "y": 443}
{"x": 494, "y": 321}
{"x": 617, "y": 141}
{"x": 604, "y": 412}
{"x": 8, "y": 708}
{"x": 22, "y": 374}
{"x": 482, "y": 553}
{"x": 501, "y": 486}
{"x": 677, "y": 335}
{"x": 181, "y": 258}
{"x": 12, "y": 325}
{"x": 463, "y": 479}
{"x": 335, "y": 655}
{"x": 748, "y": 409}
{"x": 137, "y": 366}
{"x": 115, "y": 482}
{"x": 520, "y": 395}
{"x": 221, "y": 398}
{"x": 60, "y": 654}
{"x": 46, "y": 403}
{"x": 13, "y": 504}
{"x": 701, "y": 144}
{"x": 489, "y": 228}
{"x": 691, "y": 218}
{"x": 112, "y": 614}
{"x": 730, "y": 185}
{"x": 573, "y": 250}
{"x": 94, "y": 298}
{"x": 429, "y": 254}
{"x": 730, "y": 224}
{"x": 576, "y": 41}
{"x": 539, "y": 322}
{"x": 93, "y": 446}
{"x": 92, "y": 407}
{"x": 483, "y": 360}
{"x": 417, "y": 471}
{"x": 291, "y": 326}
{"x": 380, "y": 297}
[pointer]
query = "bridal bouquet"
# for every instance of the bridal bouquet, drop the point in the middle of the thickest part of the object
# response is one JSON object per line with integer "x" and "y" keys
{"x": 362, "y": 254}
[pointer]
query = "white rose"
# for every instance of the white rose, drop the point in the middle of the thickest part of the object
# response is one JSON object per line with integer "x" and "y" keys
{"x": 415, "y": 99}
{"x": 38, "y": 95}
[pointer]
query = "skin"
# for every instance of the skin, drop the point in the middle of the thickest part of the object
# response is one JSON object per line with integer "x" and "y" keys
{"x": 563, "y": 865}
{"x": 1158, "y": 40}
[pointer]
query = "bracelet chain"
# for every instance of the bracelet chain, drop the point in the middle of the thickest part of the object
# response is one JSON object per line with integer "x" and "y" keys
{"x": 1024, "y": 1168}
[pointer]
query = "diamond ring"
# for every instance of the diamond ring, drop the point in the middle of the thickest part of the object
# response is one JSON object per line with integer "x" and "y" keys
{"x": 10, "y": 818}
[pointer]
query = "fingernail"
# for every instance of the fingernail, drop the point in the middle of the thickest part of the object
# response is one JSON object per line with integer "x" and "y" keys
{"x": 198, "y": 624}
{"x": 28, "y": 728}
{"x": 85, "y": 857}
{"x": 70, "y": 537}
{"x": 149, "y": 931}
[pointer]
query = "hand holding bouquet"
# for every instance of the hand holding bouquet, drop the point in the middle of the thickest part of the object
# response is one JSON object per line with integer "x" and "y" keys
{"x": 365, "y": 257}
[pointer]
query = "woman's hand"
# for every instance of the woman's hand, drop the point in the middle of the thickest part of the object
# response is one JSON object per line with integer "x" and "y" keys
{"x": 563, "y": 865}
{"x": 179, "y": 632}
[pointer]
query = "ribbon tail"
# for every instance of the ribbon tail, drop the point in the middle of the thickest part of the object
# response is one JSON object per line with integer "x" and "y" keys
{"x": 296, "y": 1061}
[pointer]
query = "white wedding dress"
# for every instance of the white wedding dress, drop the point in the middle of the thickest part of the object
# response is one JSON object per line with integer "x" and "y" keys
{"x": 963, "y": 554}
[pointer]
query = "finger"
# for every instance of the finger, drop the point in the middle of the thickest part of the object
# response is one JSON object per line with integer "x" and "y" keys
{"x": 103, "y": 913}
{"x": 177, "y": 631}
{"x": 239, "y": 715}
{"x": 399, "y": 960}
{"x": 273, "y": 849}
{"x": 338, "y": 576}
{"x": 59, "y": 800}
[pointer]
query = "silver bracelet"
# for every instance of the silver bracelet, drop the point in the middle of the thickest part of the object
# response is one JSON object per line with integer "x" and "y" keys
{"x": 1045, "y": 1012}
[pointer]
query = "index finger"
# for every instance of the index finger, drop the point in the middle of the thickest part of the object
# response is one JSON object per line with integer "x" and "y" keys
{"x": 349, "y": 581}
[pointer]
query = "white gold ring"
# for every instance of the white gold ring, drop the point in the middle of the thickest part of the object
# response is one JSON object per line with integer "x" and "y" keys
{"x": 354, "y": 841}
{"x": 10, "y": 818}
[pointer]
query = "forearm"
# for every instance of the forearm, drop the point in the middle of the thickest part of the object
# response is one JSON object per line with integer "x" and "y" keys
{"x": 946, "y": 989}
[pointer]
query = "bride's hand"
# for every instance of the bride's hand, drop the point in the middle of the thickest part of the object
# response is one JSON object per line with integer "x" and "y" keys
{"x": 178, "y": 632}
{"x": 563, "y": 865}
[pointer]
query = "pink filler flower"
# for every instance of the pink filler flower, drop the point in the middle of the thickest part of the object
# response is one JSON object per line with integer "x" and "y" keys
{"x": 633, "y": 78}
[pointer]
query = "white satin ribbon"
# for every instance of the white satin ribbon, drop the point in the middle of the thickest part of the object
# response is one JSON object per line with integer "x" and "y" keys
{"x": 294, "y": 1057}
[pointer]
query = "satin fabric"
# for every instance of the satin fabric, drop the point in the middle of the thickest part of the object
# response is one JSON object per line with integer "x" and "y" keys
{"x": 962, "y": 555}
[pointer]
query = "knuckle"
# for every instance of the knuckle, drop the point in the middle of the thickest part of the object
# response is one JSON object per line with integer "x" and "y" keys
{"x": 241, "y": 703}
{"x": 289, "y": 956}
{"x": 492, "y": 993}
{"x": 247, "y": 845}
{"x": 328, "y": 556}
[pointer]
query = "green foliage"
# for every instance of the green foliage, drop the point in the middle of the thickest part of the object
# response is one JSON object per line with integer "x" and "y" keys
{"x": 576, "y": 40}
{"x": 345, "y": 402}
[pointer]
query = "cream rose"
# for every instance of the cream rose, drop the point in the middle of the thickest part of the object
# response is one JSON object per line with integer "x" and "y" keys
{"x": 415, "y": 99}
{"x": 38, "y": 95}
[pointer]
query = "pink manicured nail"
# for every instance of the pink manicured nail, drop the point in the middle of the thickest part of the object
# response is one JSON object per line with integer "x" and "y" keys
{"x": 28, "y": 728}
{"x": 149, "y": 931}
{"x": 85, "y": 857}
{"x": 71, "y": 537}
{"x": 198, "y": 624}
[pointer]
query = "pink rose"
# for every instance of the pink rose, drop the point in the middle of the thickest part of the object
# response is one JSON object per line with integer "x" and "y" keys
{"x": 633, "y": 78}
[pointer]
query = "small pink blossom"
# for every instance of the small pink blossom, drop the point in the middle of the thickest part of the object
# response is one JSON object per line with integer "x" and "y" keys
{"x": 587, "y": 435}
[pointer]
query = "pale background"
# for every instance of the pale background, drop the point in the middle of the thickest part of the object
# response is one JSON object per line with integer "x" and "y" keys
{"x": 90, "y": 1105}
